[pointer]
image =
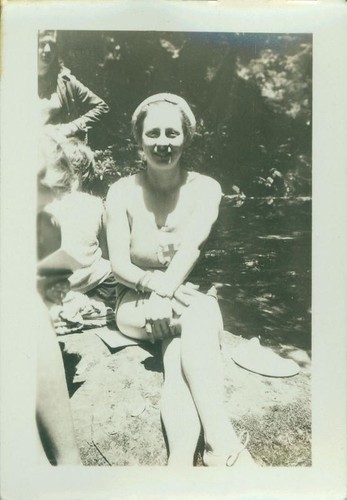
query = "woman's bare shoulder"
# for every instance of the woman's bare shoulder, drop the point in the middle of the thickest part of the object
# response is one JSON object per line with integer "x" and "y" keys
{"x": 123, "y": 187}
{"x": 204, "y": 182}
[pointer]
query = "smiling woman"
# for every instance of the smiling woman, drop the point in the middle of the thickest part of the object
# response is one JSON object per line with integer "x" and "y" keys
{"x": 157, "y": 223}
{"x": 162, "y": 136}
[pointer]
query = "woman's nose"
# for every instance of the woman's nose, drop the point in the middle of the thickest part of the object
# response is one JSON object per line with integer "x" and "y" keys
{"x": 47, "y": 48}
{"x": 162, "y": 141}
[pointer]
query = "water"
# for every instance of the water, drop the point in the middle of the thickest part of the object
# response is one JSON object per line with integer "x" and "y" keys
{"x": 259, "y": 257}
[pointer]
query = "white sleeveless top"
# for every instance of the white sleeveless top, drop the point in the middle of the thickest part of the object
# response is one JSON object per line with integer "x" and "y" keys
{"x": 80, "y": 218}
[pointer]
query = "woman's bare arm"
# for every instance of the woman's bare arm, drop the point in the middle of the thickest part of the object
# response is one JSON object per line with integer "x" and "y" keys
{"x": 118, "y": 236}
{"x": 196, "y": 232}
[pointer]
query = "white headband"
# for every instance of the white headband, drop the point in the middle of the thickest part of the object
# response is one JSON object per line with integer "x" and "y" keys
{"x": 172, "y": 99}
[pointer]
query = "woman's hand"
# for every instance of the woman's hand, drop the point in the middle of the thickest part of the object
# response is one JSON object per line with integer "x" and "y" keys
{"x": 186, "y": 293}
{"x": 159, "y": 283}
{"x": 158, "y": 311}
{"x": 67, "y": 129}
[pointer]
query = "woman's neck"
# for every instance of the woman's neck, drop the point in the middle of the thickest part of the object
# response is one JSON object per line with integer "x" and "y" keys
{"x": 47, "y": 83}
{"x": 46, "y": 87}
{"x": 166, "y": 180}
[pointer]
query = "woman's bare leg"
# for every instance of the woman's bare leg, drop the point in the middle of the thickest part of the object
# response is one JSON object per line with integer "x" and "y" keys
{"x": 178, "y": 410}
{"x": 131, "y": 316}
{"x": 202, "y": 367}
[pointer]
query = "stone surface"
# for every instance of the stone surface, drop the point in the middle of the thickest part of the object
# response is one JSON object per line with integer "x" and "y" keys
{"x": 115, "y": 397}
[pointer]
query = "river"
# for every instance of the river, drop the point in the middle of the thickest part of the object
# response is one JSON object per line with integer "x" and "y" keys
{"x": 259, "y": 258}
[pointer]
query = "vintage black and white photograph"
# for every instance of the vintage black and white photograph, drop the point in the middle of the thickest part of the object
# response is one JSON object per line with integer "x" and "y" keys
{"x": 174, "y": 247}
{"x": 172, "y": 251}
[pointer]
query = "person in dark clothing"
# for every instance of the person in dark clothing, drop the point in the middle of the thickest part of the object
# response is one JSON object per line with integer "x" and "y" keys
{"x": 65, "y": 103}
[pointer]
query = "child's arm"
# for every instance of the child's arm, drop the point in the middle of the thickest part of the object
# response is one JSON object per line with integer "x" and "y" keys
{"x": 102, "y": 238}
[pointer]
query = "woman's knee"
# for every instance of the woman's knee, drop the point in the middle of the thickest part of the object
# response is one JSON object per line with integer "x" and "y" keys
{"x": 205, "y": 310}
{"x": 131, "y": 319}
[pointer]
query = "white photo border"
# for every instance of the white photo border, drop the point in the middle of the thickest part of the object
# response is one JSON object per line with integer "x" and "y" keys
{"x": 21, "y": 476}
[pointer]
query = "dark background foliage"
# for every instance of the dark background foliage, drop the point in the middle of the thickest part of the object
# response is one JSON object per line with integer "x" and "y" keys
{"x": 251, "y": 94}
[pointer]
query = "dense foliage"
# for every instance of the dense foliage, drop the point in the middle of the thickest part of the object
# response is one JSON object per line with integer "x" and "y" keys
{"x": 251, "y": 94}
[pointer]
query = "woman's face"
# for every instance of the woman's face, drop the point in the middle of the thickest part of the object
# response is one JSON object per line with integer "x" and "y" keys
{"x": 163, "y": 136}
{"x": 47, "y": 53}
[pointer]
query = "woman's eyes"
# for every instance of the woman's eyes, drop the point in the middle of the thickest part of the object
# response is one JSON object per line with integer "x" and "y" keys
{"x": 153, "y": 133}
{"x": 42, "y": 45}
{"x": 171, "y": 133}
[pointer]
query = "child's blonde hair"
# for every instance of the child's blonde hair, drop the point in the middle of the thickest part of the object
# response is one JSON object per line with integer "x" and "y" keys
{"x": 72, "y": 158}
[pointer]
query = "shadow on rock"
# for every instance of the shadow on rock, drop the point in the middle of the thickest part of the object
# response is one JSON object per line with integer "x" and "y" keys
{"x": 154, "y": 363}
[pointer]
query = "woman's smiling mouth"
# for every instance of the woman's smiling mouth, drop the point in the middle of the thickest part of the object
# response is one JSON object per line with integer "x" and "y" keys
{"x": 163, "y": 153}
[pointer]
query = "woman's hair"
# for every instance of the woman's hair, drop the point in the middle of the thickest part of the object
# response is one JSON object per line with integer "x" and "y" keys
{"x": 72, "y": 158}
{"x": 140, "y": 113}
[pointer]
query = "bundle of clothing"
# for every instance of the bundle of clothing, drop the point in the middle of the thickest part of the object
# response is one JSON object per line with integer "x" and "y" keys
{"x": 78, "y": 312}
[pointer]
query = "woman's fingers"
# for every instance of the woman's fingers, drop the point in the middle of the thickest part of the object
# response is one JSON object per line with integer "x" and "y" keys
{"x": 191, "y": 285}
{"x": 158, "y": 330}
{"x": 186, "y": 293}
{"x": 158, "y": 317}
{"x": 162, "y": 329}
{"x": 177, "y": 307}
{"x": 189, "y": 289}
{"x": 175, "y": 327}
{"x": 148, "y": 328}
{"x": 160, "y": 323}
{"x": 182, "y": 298}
